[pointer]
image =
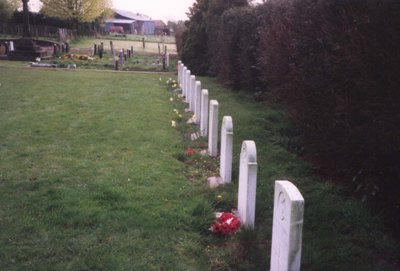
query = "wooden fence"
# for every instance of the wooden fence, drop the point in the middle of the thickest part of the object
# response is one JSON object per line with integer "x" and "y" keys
{"x": 39, "y": 31}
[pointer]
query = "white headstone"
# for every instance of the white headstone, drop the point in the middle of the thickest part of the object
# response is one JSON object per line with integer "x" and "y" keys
{"x": 225, "y": 169}
{"x": 183, "y": 78}
{"x": 11, "y": 46}
{"x": 213, "y": 129}
{"x": 287, "y": 227}
{"x": 187, "y": 85}
{"x": 179, "y": 71}
{"x": 204, "y": 113}
{"x": 192, "y": 88}
{"x": 247, "y": 183}
{"x": 197, "y": 101}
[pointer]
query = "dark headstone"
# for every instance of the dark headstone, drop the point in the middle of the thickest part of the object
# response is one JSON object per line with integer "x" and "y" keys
{"x": 29, "y": 49}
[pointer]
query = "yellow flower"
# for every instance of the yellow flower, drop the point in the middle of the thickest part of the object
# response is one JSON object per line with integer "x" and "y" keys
{"x": 219, "y": 197}
{"x": 171, "y": 99}
{"x": 180, "y": 116}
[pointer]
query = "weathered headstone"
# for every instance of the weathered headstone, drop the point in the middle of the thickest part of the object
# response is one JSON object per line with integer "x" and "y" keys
{"x": 121, "y": 58}
{"x": 95, "y": 49}
{"x": 287, "y": 227}
{"x": 55, "y": 51}
{"x": 100, "y": 51}
{"x": 204, "y": 113}
{"x": 2, "y": 49}
{"x": 197, "y": 101}
{"x": 247, "y": 183}
{"x": 11, "y": 46}
{"x": 167, "y": 60}
{"x": 213, "y": 129}
{"x": 112, "y": 51}
{"x": 225, "y": 170}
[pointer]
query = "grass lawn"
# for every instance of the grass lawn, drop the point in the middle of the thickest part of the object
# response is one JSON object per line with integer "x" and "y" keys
{"x": 89, "y": 178}
{"x": 93, "y": 177}
{"x": 151, "y": 45}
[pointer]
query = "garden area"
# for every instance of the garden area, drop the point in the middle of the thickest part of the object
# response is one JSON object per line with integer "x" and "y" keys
{"x": 98, "y": 172}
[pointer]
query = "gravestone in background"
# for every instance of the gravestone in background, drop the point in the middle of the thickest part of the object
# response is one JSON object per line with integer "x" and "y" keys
{"x": 204, "y": 113}
{"x": 197, "y": 102}
{"x": 187, "y": 83}
{"x": 192, "y": 86}
{"x": 247, "y": 183}
{"x": 225, "y": 170}
{"x": 213, "y": 128}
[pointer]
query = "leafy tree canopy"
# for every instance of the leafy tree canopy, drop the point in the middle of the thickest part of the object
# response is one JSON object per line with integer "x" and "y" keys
{"x": 77, "y": 11}
{"x": 7, "y": 7}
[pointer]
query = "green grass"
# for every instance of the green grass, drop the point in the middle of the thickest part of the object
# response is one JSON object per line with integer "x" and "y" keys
{"x": 89, "y": 178}
{"x": 93, "y": 177}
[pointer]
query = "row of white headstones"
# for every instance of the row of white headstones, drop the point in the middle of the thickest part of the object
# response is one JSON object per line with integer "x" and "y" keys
{"x": 288, "y": 201}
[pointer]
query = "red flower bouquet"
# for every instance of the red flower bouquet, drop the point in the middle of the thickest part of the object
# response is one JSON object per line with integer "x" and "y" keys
{"x": 190, "y": 151}
{"x": 226, "y": 223}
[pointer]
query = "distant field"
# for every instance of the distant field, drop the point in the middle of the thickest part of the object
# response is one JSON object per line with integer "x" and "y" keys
{"x": 151, "y": 44}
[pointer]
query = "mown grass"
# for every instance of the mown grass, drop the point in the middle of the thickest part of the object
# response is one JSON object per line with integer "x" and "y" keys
{"x": 89, "y": 178}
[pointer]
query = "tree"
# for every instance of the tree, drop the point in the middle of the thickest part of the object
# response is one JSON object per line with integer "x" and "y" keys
{"x": 7, "y": 7}
{"x": 76, "y": 11}
{"x": 199, "y": 40}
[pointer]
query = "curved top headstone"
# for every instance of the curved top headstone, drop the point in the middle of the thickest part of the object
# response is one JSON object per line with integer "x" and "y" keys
{"x": 227, "y": 124}
{"x": 249, "y": 151}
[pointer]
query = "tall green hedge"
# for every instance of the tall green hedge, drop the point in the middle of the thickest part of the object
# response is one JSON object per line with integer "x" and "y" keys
{"x": 336, "y": 66}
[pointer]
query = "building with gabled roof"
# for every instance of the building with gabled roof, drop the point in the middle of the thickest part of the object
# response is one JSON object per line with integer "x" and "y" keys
{"x": 132, "y": 23}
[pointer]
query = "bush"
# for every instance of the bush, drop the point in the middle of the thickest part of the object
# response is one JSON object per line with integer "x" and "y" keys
{"x": 336, "y": 65}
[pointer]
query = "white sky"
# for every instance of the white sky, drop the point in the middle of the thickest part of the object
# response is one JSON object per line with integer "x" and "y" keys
{"x": 166, "y": 10}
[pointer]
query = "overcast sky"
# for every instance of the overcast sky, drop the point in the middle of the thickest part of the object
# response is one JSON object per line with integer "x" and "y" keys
{"x": 165, "y": 10}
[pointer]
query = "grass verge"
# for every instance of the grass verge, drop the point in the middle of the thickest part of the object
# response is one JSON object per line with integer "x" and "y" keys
{"x": 89, "y": 175}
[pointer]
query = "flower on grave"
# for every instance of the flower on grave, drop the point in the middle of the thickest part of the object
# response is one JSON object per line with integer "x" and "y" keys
{"x": 173, "y": 123}
{"x": 219, "y": 197}
{"x": 225, "y": 223}
{"x": 193, "y": 118}
{"x": 180, "y": 116}
{"x": 171, "y": 99}
{"x": 176, "y": 111}
{"x": 190, "y": 151}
